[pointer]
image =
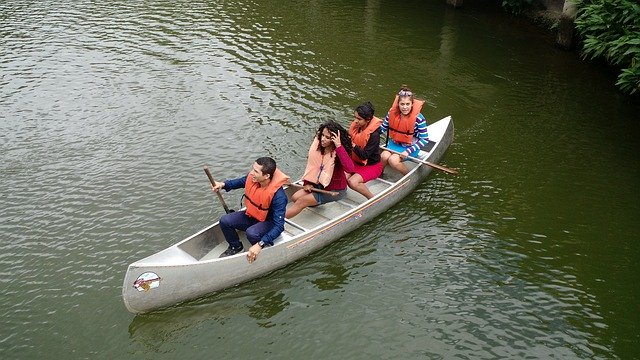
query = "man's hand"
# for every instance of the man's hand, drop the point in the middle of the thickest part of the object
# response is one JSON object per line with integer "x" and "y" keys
{"x": 253, "y": 252}
{"x": 219, "y": 185}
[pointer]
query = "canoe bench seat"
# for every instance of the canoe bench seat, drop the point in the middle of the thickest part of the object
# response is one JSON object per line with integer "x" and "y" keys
{"x": 313, "y": 216}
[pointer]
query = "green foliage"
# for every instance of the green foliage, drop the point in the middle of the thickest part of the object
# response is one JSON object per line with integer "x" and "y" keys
{"x": 516, "y": 7}
{"x": 611, "y": 30}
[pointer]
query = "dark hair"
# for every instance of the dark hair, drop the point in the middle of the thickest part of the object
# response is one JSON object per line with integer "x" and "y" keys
{"x": 268, "y": 166}
{"x": 334, "y": 127}
{"x": 365, "y": 110}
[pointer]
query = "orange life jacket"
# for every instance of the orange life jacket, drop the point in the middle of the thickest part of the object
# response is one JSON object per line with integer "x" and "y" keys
{"x": 361, "y": 137}
{"x": 401, "y": 128}
{"x": 258, "y": 199}
{"x": 319, "y": 167}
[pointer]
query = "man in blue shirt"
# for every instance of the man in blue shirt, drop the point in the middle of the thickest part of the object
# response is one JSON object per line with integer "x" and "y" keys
{"x": 266, "y": 205}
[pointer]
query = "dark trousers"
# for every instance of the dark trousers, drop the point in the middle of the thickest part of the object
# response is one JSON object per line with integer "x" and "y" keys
{"x": 239, "y": 220}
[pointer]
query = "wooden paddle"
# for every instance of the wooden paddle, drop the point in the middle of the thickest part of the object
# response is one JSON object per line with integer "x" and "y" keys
{"x": 435, "y": 166}
{"x": 332, "y": 193}
{"x": 213, "y": 182}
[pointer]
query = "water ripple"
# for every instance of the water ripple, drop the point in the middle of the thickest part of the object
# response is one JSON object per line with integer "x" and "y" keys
{"x": 110, "y": 110}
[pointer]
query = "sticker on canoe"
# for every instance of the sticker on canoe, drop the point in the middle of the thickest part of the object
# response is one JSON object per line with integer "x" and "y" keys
{"x": 147, "y": 281}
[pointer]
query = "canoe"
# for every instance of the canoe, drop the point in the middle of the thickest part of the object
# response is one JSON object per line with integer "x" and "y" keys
{"x": 191, "y": 268}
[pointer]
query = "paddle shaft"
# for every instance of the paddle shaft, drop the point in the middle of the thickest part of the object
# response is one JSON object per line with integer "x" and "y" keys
{"x": 332, "y": 193}
{"x": 213, "y": 182}
{"x": 435, "y": 166}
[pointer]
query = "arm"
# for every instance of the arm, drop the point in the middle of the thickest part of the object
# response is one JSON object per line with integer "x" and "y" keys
{"x": 345, "y": 160}
{"x": 278, "y": 209}
{"x": 373, "y": 146}
{"x": 235, "y": 183}
{"x": 343, "y": 156}
{"x": 384, "y": 129}
{"x": 385, "y": 124}
{"x": 423, "y": 136}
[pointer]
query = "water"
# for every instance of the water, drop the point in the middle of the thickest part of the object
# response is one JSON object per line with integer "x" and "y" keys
{"x": 109, "y": 111}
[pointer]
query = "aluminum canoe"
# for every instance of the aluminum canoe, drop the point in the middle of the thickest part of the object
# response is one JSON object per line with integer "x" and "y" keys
{"x": 191, "y": 268}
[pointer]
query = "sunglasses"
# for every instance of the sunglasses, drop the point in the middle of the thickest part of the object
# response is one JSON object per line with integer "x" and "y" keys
{"x": 405, "y": 93}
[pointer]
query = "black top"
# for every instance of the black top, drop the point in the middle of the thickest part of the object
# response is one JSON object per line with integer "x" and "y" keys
{"x": 371, "y": 151}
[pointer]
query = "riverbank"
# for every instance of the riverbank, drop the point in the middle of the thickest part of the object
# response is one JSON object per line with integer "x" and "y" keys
{"x": 556, "y": 19}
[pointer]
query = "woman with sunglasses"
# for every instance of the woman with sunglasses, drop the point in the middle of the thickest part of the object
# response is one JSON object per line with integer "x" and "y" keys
{"x": 406, "y": 129}
{"x": 329, "y": 158}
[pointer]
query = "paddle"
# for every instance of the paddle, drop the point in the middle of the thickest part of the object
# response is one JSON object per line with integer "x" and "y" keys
{"x": 435, "y": 166}
{"x": 332, "y": 193}
{"x": 213, "y": 182}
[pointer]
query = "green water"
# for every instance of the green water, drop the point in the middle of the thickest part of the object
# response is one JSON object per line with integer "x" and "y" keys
{"x": 109, "y": 111}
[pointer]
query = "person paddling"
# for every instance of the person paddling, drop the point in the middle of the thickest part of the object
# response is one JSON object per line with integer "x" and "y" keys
{"x": 406, "y": 129}
{"x": 365, "y": 138}
{"x": 266, "y": 204}
{"x": 327, "y": 162}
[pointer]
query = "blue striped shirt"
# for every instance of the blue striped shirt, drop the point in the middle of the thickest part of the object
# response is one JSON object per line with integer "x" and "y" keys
{"x": 420, "y": 134}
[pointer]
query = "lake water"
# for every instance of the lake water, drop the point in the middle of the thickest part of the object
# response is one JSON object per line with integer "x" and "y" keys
{"x": 109, "y": 110}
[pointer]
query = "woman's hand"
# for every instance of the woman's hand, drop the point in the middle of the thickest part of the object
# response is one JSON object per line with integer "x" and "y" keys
{"x": 336, "y": 139}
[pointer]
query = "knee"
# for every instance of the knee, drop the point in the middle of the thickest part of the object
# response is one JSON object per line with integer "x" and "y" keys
{"x": 295, "y": 202}
{"x": 253, "y": 235}
{"x": 224, "y": 220}
{"x": 353, "y": 181}
{"x": 309, "y": 200}
{"x": 297, "y": 195}
{"x": 304, "y": 201}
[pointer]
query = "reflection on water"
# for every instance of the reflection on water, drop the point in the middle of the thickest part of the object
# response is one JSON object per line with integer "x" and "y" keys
{"x": 267, "y": 306}
{"x": 182, "y": 321}
{"x": 336, "y": 276}
{"x": 109, "y": 111}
